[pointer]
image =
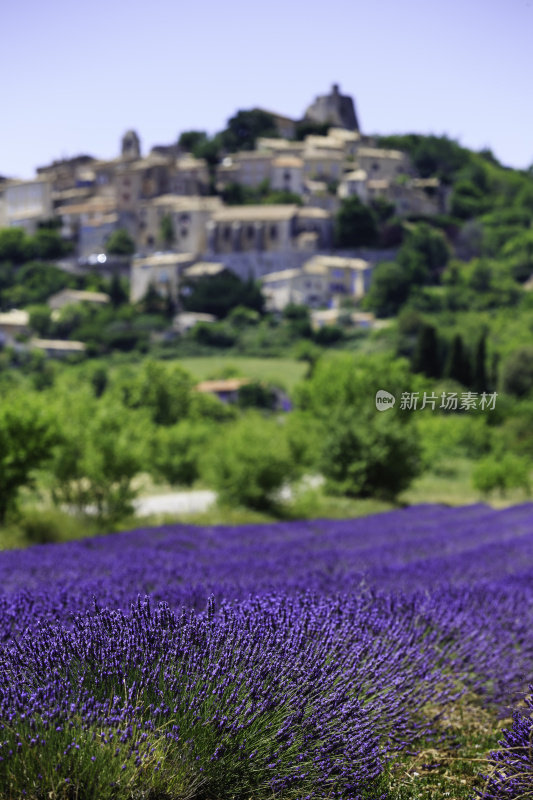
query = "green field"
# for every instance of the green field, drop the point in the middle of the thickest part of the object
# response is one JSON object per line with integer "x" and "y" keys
{"x": 284, "y": 371}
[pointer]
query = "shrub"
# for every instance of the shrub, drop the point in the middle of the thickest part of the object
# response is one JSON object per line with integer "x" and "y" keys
{"x": 365, "y": 460}
{"x": 503, "y": 472}
{"x": 250, "y": 462}
{"x": 175, "y": 452}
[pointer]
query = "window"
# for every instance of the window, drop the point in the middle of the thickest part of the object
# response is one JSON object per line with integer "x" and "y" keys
{"x": 250, "y": 231}
{"x": 273, "y": 232}
{"x": 227, "y": 233}
{"x": 375, "y": 166}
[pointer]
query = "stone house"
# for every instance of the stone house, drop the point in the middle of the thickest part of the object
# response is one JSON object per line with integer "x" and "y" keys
{"x": 27, "y": 202}
{"x": 274, "y": 228}
{"x": 189, "y": 216}
{"x": 305, "y": 287}
{"x": 162, "y": 271}
{"x": 287, "y": 174}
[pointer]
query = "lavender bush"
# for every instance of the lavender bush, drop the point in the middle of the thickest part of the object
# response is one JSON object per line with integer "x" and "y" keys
{"x": 292, "y": 660}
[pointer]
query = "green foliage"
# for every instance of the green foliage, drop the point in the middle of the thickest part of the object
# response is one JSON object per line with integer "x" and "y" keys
{"x": 480, "y": 378}
{"x": 355, "y": 224}
{"x": 503, "y": 472}
{"x": 329, "y": 335}
{"x": 120, "y": 243}
{"x": 245, "y": 127}
{"x": 517, "y": 372}
{"x": 238, "y": 194}
{"x": 27, "y": 437}
{"x": 424, "y": 253}
{"x": 256, "y": 395}
{"x": 250, "y": 463}
{"x": 214, "y": 334}
{"x": 99, "y": 380}
{"x": 307, "y": 127}
{"x": 299, "y": 320}
{"x": 41, "y": 320}
{"x": 191, "y": 140}
{"x": 164, "y": 391}
{"x": 389, "y": 289}
{"x": 427, "y": 355}
{"x": 14, "y": 245}
{"x": 167, "y": 234}
{"x": 100, "y": 455}
{"x": 118, "y": 293}
{"x": 431, "y": 155}
{"x": 219, "y": 294}
{"x": 363, "y": 451}
{"x": 175, "y": 451}
{"x": 362, "y": 460}
{"x": 48, "y": 244}
{"x": 32, "y": 284}
{"x": 458, "y": 365}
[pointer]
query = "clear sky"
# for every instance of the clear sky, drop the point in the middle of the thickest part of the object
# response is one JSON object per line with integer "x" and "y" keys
{"x": 75, "y": 76}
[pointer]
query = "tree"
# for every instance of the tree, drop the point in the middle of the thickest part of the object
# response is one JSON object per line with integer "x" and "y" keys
{"x": 166, "y": 231}
{"x": 458, "y": 363}
{"x": 120, "y": 243}
{"x": 27, "y": 437}
{"x": 97, "y": 461}
{"x": 41, "y": 320}
{"x": 365, "y": 460}
{"x": 517, "y": 372}
{"x": 355, "y": 224}
{"x": 164, "y": 391}
{"x": 48, "y": 244}
{"x": 389, "y": 289}
{"x": 175, "y": 451}
{"x": 424, "y": 254}
{"x": 219, "y": 294}
{"x": 480, "y": 382}
{"x": 191, "y": 140}
{"x": 14, "y": 245}
{"x": 117, "y": 291}
{"x": 363, "y": 451}
{"x": 245, "y": 127}
{"x": 249, "y": 463}
{"x": 307, "y": 127}
{"x": 427, "y": 358}
{"x": 504, "y": 471}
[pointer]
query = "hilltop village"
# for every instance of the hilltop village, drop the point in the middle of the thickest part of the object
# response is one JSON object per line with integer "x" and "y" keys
{"x": 264, "y": 208}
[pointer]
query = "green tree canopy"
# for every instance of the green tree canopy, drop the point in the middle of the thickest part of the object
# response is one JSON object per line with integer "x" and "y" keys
{"x": 245, "y": 127}
{"x": 389, "y": 289}
{"x": 219, "y": 294}
{"x": 120, "y": 243}
{"x": 27, "y": 437}
{"x": 250, "y": 463}
{"x": 355, "y": 224}
{"x": 167, "y": 232}
{"x": 191, "y": 140}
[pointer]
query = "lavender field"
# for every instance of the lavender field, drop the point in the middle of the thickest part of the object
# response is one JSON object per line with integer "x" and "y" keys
{"x": 292, "y": 660}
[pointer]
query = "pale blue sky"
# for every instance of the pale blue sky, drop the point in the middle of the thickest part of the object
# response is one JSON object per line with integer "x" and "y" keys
{"x": 75, "y": 76}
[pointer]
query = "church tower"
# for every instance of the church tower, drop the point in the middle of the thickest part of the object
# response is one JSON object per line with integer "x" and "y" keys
{"x": 130, "y": 146}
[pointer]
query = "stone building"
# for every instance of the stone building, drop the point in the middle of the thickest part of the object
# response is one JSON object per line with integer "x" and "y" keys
{"x": 267, "y": 228}
{"x": 335, "y": 108}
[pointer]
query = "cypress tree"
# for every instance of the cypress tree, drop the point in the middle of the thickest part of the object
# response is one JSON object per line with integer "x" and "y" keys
{"x": 426, "y": 358}
{"x": 480, "y": 380}
{"x": 458, "y": 363}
